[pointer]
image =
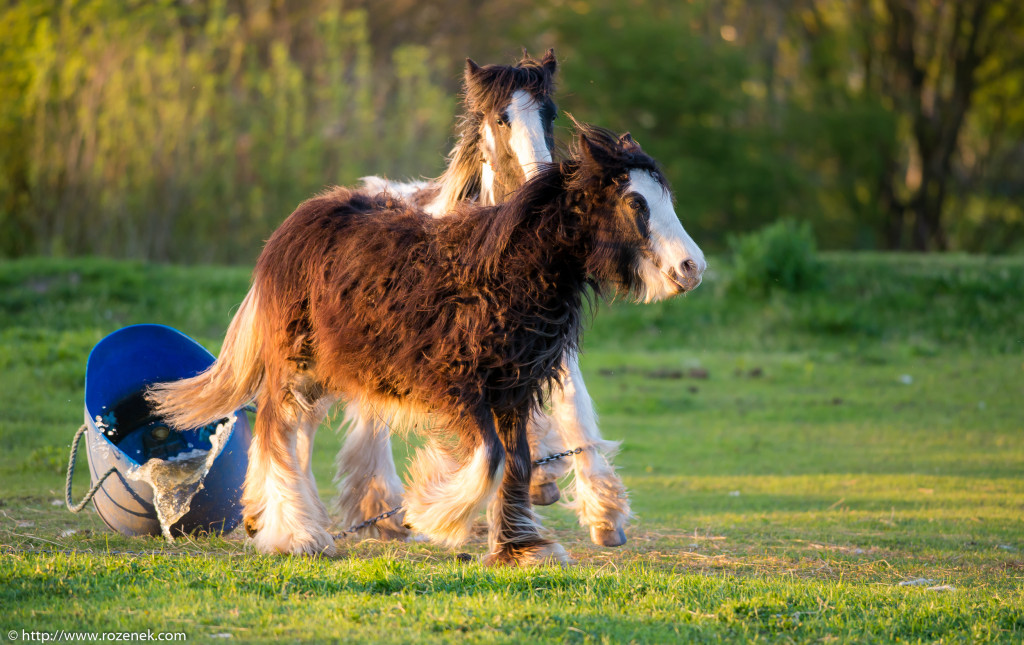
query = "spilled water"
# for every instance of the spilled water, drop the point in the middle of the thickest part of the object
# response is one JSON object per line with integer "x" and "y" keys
{"x": 176, "y": 480}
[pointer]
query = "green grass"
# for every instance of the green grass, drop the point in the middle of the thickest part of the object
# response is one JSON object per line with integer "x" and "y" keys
{"x": 786, "y": 472}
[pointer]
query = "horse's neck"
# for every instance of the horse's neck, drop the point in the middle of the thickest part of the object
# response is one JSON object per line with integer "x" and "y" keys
{"x": 539, "y": 237}
{"x": 447, "y": 195}
{"x": 546, "y": 250}
{"x": 486, "y": 185}
{"x": 464, "y": 177}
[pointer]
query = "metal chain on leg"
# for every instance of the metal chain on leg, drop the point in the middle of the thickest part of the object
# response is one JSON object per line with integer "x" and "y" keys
{"x": 557, "y": 456}
{"x": 370, "y": 522}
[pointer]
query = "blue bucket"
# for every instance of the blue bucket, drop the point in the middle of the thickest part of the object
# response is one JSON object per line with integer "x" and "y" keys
{"x": 122, "y": 434}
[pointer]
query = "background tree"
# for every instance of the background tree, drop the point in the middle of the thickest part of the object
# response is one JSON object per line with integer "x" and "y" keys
{"x": 187, "y": 130}
{"x": 926, "y": 62}
{"x": 692, "y": 96}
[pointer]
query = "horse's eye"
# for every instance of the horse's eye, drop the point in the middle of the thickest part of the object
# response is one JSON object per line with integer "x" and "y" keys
{"x": 550, "y": 113}
{"x": 637, "y": 203}
{"x": 502, "y": 119}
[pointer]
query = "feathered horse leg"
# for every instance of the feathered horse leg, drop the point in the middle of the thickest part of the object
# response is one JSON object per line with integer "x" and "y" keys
{"x": 368, "y": 482}
{"x": 514, "y": 532}
{"x": 544, "y": 442}
{"x": 283, "y": 512}
{"x": 449, "y": 487}
{"x": 598, "y": 494}
{"x": 308, "y": 423}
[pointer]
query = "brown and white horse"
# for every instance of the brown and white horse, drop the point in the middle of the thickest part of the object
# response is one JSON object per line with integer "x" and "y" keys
{"x": 465, "y": 319}
{"x": 504, "y": 134}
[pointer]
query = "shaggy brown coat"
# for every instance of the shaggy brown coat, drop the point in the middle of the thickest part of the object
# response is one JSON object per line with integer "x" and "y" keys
{"x": 466, "y": 317}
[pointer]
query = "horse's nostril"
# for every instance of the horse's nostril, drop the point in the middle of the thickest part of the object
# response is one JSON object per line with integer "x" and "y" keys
{"x": 689, "y": 267}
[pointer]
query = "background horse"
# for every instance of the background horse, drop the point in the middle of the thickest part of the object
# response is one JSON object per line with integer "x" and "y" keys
{"x": 505, "y": 132}
{"x": 465, "y": 319}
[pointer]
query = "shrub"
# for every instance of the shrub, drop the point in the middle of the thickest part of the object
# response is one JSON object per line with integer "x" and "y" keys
{"x": 782, "y": 256}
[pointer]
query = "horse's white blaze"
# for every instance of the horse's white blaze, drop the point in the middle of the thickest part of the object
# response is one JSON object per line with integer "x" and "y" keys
{"x": 670, "y": 243}
{"x": 527, "y": 137}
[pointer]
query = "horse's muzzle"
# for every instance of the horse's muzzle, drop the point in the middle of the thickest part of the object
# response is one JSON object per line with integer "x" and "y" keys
{"x": 687, "y": 277}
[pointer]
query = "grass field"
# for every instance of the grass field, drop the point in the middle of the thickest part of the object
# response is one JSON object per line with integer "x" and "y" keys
{"x": 793, "y": 461}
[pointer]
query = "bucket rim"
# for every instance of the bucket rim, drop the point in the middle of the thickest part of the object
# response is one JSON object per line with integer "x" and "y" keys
{"x": 140, "y": 327}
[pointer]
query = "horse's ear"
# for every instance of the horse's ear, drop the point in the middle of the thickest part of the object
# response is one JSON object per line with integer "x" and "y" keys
{"x": 549, "y": 62}
{"x": 472, "y": 70}
{"x": 593, "y": 151}
{"x": 628, "y": 142}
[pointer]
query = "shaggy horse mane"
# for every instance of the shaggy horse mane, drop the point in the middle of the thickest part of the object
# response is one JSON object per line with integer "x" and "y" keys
{"x": 493, "y": 85}
{"x": 606, "y": 154}
{"x": 598, "y": 158}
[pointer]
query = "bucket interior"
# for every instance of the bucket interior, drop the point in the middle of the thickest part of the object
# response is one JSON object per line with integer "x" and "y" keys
{"x": 140, "y": 435}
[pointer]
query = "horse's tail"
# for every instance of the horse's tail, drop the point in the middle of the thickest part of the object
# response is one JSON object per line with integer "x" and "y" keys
{"x": 233, "y": 380}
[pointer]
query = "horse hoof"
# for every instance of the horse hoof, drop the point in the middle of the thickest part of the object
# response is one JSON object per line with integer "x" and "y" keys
{"x": 539, "y": 554}
{"x": 550, "y": 554}
{"x": 607, "y": 537}
{"x": 316, "y": 543}
{"x": 545, "y": 494}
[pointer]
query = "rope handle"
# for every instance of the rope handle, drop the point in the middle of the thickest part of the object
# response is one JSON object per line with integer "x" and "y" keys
{"x": 74, "y": 508}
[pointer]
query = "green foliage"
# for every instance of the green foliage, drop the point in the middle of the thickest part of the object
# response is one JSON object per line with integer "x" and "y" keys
{"x": 870, "y": 305}
{"x": 686, "y": 97}
{"x": 845, "y": 144}
{"x": 759, "y": 110}
{"x": 190, "y": 132}
{"x": 187, "y": 131}
{"x": 782, "y": 256}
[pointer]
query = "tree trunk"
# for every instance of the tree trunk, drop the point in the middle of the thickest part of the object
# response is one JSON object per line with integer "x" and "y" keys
{"x": 892, "y": 207}
{"x": 929, "y": 233}
{"x": 938, "y": 113}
